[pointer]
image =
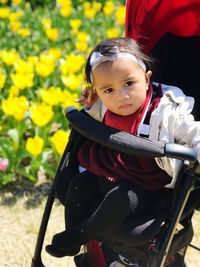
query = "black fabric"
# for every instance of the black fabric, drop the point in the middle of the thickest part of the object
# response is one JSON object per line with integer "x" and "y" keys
{"x": 119, "y": 200}
{"x": 181, "y": 239}
{"x": 113, "y": 138}
{"x": 56, "y": 249}
{"x": 192, "y": 203}
{"x": 137, "y": 231}
{"x": 177, "y": 63}
{"x": 61, "y": 184}
{"x": 82, "y": 192}
{"x": 82, "y": 260}
{"x": 68, "y": 167}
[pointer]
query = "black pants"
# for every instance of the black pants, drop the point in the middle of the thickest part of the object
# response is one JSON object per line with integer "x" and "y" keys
{"x": 103, "y": 205}
{"x": 61, "y": 184}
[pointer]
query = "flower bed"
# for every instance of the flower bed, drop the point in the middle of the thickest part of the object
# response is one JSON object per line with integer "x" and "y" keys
{"x": 43, "y": 51}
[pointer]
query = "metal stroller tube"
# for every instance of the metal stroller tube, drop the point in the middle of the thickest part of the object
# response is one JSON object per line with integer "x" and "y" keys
{"x": 65, "y": 161}
{"x": 125, "y": 142}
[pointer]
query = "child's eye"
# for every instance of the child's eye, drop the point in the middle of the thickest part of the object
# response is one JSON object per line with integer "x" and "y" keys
{"x": 129, "y": 83}
{"x": 108, "y": 90}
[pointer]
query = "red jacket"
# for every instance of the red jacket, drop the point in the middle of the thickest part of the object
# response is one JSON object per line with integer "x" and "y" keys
{"x": 148, "y": 20}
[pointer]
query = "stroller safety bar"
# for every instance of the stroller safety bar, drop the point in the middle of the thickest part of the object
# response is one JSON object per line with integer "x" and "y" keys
{"x": 125, "y": 142}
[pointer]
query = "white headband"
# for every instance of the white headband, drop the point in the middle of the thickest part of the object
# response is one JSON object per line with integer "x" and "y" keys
{"x": 97, "y": 58}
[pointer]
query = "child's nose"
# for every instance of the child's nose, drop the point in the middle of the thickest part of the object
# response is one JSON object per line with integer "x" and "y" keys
{"x": 122, "y": 94}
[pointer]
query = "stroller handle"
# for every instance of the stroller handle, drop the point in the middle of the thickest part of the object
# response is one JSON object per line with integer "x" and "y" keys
{"x": 123, "y": 141}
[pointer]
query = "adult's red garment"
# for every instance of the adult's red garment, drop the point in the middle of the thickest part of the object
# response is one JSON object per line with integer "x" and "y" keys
{"x": 148, "y": 20}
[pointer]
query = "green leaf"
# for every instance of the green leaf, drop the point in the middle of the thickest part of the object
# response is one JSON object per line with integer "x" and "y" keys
{"x": 25, "y": 173}
{"x": 6, "y": 178}
{"x": 13, "y": 133}
{"x": 49, "y": 170}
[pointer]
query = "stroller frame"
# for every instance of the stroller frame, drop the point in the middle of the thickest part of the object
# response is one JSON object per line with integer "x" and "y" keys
{"x": 37, "y": 261}
{"x": 186, "y": 177}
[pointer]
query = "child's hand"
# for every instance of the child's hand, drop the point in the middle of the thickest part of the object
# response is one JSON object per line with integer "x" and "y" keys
{"x": 88, "y": 97}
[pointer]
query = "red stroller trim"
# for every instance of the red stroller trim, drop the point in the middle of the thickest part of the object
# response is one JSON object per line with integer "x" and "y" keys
{"x": 96, "y": 256}
{"x": 148, "y": 20}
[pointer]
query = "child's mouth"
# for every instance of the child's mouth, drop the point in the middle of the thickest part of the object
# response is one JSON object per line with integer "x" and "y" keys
{"x": 124, "y": 106}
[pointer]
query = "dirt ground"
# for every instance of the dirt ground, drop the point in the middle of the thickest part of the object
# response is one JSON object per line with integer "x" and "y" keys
{"x": 20, "y": 216}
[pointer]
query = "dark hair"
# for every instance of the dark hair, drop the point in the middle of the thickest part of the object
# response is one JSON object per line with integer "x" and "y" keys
{"x": 124, "y": 45}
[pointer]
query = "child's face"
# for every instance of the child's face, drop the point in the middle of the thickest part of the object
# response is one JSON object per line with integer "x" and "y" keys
{"x": 121, "y": 85}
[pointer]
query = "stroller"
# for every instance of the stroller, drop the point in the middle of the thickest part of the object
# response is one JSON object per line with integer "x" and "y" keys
{"x": 158, "y": 237}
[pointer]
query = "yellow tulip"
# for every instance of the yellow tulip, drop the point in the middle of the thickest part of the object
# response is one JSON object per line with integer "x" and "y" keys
{"x": 72, "y": 64}
{"x": 56, "y": 53}
{"x": 51, "y": 96}
{"x": 34, "y": 145}
{"x": 90, "y": 13}
{"x": 4, "y": 12}
{"x": 24, "y": 66}
{"x": 82, "y": 37}
{"x": 59, "y": 140}
{"x": 108, "y": 9}
{"x": 2, "y": 80}
{"x": 72, "y": 81}
{"x": 49, "y": 56}
{"x": 52, "y": 33}
{"x": 13, "y": 16}
{"x": 97, "y": 6}
{"x": 9, "y": 57}
{"x": 23, "y": 32}
{"x": 112, "y": 33}
{"x": 33, "y": 60}
{"x": 16, "y": 2}
{"x": 87, "y": 5}
{"x": 81, "y": 46}
{"x": 22, "y": 80}
{"x": 44, "y": 70}
{"x": 13, "y": 91}
{"x": 41, "y": 113}
{"x": 68, "y": 99}
{"x": 82, "y": 41}
{"x": 15, "y": 26}
{"x": 64, "y": 2}
{"x": 3, "y": 1}
{"x": 120, "y": 14}
{"x": 16, "y": 107}
{"x": 66, "y": 11}
{"x": 46, "y": 23}
{"x": 75, "y": 23}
